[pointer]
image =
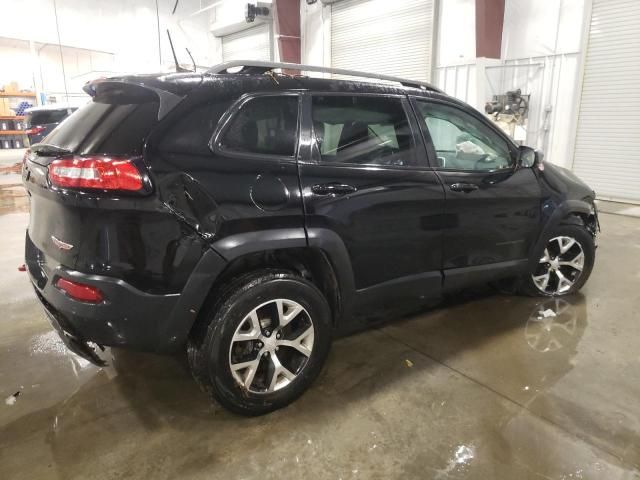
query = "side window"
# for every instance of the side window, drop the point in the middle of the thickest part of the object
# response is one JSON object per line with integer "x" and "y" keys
{"x": 463, "y": 142}
{"x": 363, "y": 130}
{"x": 264, "y": 125}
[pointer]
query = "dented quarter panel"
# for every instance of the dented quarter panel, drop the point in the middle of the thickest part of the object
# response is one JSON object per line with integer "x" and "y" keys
{"x": 228, "y": 199}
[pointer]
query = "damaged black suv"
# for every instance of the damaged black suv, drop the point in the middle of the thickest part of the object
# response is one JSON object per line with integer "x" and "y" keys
{"x": 250, "y": 216}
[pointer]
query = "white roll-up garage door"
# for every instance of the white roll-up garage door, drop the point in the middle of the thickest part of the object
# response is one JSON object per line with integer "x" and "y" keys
{"x": 607, "y": 154}
{"x": 392, "y": 37}
{"x": 251, "y": 44}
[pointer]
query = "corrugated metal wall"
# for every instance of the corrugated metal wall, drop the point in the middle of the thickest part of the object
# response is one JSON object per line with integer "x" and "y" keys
{"x": 607, "y": 153}
{"x": 250, "y": 44}
{"x": 389, "y": 37}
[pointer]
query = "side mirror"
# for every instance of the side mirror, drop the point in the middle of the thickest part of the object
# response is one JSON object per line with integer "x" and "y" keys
{"x": 528, "y": 158}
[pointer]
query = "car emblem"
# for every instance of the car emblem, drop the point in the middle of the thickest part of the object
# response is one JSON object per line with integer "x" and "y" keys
{"x": 60, "y": 244}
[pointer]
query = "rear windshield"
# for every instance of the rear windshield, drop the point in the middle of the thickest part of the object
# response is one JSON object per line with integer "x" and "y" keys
{"x": 44, "y": 117}
{"x": 112, "y": 123}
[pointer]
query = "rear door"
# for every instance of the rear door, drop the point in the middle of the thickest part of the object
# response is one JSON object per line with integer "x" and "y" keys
{"x": 367, "y": 188}
{"x": 493, "y": 209}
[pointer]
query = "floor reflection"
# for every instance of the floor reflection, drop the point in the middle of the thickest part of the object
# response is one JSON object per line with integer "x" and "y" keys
{"x": 13, "y": 196}
{"x": 552, "y": 325}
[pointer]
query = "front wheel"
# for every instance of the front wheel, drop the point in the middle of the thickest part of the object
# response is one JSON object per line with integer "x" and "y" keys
{"x": 564, "y": 264}
{"x": 264, "y": 343}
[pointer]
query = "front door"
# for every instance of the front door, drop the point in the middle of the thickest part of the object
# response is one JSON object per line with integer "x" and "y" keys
{"x": 492, "y": 207}
{"x": 366, "y": 186}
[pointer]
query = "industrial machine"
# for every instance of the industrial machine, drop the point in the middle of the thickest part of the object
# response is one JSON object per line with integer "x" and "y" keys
{"x": 510, "y": 111}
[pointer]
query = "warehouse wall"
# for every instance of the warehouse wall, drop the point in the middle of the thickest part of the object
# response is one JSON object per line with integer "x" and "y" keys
{"x": 42, "y": 70}
{"x": 16, "y": 63}
{"x": 314, "y": 41}
{"x": 455, "y": 70}
{"x": 541, "y": 44}
{"x": 549, "y": 34}
{"x": 126, "y": 30}
{"x": 228, "y": 18}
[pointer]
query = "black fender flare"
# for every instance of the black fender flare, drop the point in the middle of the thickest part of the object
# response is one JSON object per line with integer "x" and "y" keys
{"x": 174, "y": 329}
{"x": 240, "y": 244}
{"x": 558, "y": 217}
{"x": 323, "y": 239}
{"x": 332, "y": 245}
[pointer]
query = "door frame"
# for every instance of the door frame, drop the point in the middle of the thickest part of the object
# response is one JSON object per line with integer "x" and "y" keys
{"x": 460, "y": 277}
{"x": 356, "y": 302}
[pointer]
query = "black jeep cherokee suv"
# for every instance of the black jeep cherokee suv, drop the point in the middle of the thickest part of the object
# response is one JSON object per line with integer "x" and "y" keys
{"x": 250, "y": 216}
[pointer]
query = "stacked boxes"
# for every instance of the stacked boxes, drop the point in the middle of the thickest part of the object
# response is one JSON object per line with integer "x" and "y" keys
{"x": 11, "y": 127}
{"x": 11, "y": 141}
{"x": 5, "y": 109}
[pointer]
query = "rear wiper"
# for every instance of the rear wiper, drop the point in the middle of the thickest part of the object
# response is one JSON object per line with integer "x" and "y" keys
{"x": 43, "y": 149}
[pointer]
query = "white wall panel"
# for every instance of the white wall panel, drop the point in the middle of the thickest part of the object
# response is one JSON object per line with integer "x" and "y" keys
{"x": 607, "y": 149}
{"x": 127, "y": 29}
{"x": 456, "y": 32}
{"x": 538, "y": 29}
{"x": 458, "y": 81}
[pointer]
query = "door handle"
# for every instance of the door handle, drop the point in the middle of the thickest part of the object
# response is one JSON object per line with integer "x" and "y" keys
{"x": 333, "y": 189}
{"x": 463, "y": 187}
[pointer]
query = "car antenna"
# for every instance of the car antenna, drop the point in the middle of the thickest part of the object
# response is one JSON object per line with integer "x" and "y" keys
{"x": 175, "y": 59}
{"x": 192, "y": 60}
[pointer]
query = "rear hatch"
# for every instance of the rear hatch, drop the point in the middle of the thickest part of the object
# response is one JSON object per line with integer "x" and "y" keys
{"x": 89, "y": 172}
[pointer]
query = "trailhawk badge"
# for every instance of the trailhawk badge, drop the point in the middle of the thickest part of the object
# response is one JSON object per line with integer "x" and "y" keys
{"x": 60, "y": 244}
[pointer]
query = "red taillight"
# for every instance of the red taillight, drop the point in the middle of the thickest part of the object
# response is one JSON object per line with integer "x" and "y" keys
{"x": 34, "y": 130}
{"x": 80, "y": 291}
{"x": 104, "y": 173}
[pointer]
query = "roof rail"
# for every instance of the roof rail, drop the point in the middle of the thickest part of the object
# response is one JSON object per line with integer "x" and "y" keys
{"x": 257, "y": 67}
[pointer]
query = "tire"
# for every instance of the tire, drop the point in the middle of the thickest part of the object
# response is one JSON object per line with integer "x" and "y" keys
{"x": 230, "y": 336}
{"x": 559, "y": 239}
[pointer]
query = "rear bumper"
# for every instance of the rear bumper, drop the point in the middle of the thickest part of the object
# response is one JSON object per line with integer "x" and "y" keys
{"x": 127, "y": 318}
{"x": 72, "y": 339}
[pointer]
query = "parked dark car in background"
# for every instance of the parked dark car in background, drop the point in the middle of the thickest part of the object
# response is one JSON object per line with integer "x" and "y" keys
{"x": 40, "y": 121}
{"x": 251, "y": 216}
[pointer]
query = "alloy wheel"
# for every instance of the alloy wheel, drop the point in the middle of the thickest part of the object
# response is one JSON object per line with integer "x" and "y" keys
{"x": 560, "y": 266}
{"x": 271, "y": 346}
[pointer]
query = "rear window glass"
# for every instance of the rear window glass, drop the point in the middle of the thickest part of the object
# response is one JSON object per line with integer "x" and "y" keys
{"x": 110, "y": 124}
{"x": 44, "y": 117}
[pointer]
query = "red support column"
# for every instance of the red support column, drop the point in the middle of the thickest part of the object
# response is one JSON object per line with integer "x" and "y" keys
{"x": 489, "y": 21}
{"x": 287, "y": 15}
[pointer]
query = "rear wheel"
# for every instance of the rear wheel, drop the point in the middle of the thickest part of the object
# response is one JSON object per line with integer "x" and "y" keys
{"x": 264, "y": 344}
{"x": 564, "y": 264}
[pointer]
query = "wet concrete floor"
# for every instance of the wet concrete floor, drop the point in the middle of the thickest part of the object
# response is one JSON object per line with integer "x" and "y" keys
{"x": 487, "y": 386}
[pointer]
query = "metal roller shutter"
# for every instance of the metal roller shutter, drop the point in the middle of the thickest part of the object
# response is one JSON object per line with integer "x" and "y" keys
{"x": 607, "y": 154}
{"x": 392, "y": 37}
{"x": 250, "y": 44}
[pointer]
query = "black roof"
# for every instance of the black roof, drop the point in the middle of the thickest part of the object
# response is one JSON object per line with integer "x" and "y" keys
{"x": 232, "y": 84}
{"x": 265, "y": 82}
